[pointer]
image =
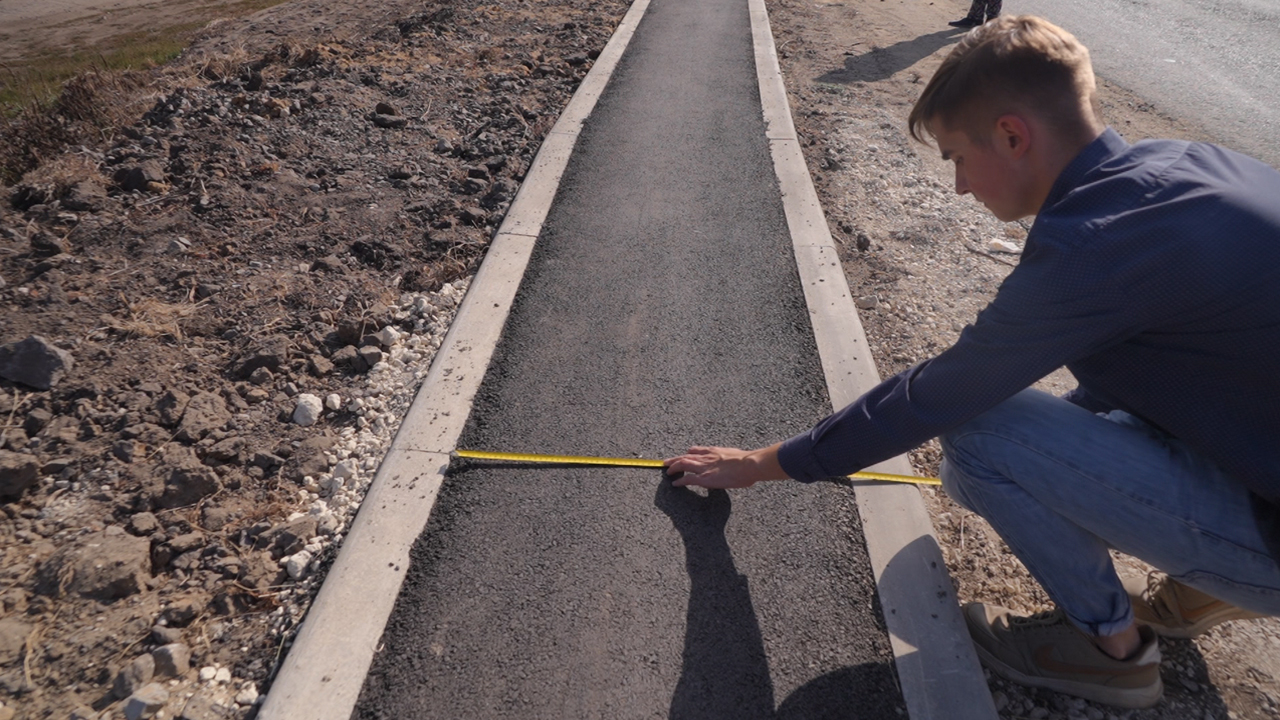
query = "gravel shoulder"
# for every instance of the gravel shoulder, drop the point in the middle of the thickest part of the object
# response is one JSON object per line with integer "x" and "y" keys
{"x": 921, "y": 261}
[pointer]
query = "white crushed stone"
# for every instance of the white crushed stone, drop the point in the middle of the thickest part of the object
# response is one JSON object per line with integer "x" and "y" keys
{"x": 308, "y": 410}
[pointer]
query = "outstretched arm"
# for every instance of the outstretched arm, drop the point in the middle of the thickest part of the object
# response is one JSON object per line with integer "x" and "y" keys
{"x": 725, "y": 468}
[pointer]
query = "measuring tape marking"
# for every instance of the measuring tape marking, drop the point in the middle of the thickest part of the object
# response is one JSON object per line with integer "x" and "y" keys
{"x": 647, "y": 463}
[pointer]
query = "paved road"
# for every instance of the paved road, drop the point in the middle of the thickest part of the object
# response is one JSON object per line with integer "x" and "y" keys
{"x": 1214, "y": 62}
{"x": 660, "y": 307}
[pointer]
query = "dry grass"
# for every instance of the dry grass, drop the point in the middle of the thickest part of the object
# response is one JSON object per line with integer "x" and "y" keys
{"x": 89, "y": 105}
{"x": 55, "y": 100}
{"x": 149, "y": 317}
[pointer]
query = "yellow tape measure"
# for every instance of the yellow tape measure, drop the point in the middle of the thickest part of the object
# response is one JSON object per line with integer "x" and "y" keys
{"x": 646, "y": 463}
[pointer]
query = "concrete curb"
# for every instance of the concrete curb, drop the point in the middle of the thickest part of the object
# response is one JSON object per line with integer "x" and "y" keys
{"x": 324, "y": 671}
{"x": 937, "y": 667}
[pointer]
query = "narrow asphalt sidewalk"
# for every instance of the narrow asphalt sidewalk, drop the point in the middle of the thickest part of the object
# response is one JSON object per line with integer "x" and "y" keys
{"x": 662, "y": 306}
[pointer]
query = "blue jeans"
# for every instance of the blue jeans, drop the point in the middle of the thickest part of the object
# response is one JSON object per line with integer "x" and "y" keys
{"x": 1061, "y": 485}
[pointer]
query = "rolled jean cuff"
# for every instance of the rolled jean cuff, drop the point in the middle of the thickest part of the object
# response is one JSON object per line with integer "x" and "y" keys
{"x": 1105, "y": 629}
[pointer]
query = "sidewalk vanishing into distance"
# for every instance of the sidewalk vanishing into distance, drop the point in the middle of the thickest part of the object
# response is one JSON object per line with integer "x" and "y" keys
{"x": 672, "y": 297}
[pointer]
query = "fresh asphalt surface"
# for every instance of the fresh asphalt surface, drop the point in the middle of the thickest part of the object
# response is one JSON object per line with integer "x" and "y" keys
{"x": 1214, "y": 62}
{"x": 661, "y": 308}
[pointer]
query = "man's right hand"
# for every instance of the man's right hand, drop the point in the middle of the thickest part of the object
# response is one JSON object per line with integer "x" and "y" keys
{"x": 724, "y": 468}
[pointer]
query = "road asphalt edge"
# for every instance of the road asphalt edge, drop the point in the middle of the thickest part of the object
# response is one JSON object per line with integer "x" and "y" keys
{"x": 938, "y": 670}
{"x": 324, "y": 671}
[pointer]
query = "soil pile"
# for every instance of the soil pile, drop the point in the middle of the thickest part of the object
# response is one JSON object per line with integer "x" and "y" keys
{"x": 215, "y": 317}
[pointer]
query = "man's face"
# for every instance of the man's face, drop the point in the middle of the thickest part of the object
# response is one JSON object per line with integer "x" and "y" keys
{"x": 989, "y": 171}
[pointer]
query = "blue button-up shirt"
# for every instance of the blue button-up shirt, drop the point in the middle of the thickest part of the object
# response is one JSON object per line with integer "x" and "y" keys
{"x": 1153, "y": 274}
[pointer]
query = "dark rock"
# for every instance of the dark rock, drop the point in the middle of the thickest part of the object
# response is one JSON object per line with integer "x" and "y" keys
{"x": 18, "y": 471}
{"x": 205, "y": 291}
{"x": 383, "y": 108}
{"x": 271, "y": 354}
{"x": 124, "y": 450}
{"x": 165, "y": 635}
{"x": 329, "y": 263}
{"x": 85, "y": 196}
{"x": 45, "y": 243}
{"x": 403, "y": 172}
{"x": 161, "y": 556}
{"x": 36, "y": 420}
{"x": 188, "y": 562}
{"x": 187, "y": 542}
{"x": 172, "y": 660}
{"x": 259, "y": 571}
{"x": 227, "y": 450}
{"x": 35, "y": 362}
{"x": 171, "y": 406}
{"x": 133, "y": 676}
{"x": 319, "y": 365}
{"x": 471, "y": 186}
{"x": 501, "y": 192}
{"x": 186, "y": 480}
{"x": 309, "y": 458}
{"x": 266, "y": 461}
{"x": 495, "y": 164}
{"x": 205, "y": 413}
{"x": 139, "y": 177}
{"x": 55, "y": 466}
{"x": 288, "y": 538}
{"x": 99, "y": 566}
{"x": 261, "y": 376}
{"x": 348, "y": 358}
{"x": 62, "y": 430}
{"x": 473, "y": 216}
{"x": 390, "y": 122}
{"x": 371, "y": 355}
{"x": 182, "y": 611}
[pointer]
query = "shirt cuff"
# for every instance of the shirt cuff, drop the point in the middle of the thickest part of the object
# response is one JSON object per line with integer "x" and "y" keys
{"x": 797, "y": 459}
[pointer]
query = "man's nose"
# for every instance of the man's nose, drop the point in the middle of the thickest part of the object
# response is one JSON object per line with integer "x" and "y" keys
{"x": 962, "y": 185}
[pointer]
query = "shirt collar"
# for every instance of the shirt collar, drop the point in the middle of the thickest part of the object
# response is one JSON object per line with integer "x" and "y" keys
{"x": 1107, "y": 144}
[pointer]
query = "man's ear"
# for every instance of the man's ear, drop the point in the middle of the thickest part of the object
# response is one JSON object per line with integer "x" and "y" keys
{"x": 1012, "y": 136}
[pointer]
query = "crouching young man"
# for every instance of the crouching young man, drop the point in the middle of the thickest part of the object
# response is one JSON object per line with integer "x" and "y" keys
{"x": 1152, "y": 272}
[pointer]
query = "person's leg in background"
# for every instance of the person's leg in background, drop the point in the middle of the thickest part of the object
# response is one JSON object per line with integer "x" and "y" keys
{"x": 973, "y": 18}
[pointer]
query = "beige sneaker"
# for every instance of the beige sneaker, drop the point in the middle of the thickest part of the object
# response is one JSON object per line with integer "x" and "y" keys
{"x": 1046, "y": 650}
{"x": 1176, "y": 610}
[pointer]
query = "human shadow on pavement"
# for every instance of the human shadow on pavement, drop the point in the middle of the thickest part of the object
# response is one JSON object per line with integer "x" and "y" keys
{"x": 725, "y": 672}
{"x": 879, "y": 63}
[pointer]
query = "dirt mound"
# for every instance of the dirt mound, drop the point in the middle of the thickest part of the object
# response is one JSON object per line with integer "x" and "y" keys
{"x": 247, "y": 279}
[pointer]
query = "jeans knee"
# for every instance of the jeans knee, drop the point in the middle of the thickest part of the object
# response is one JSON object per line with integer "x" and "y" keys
{"x": 955, "y": 481}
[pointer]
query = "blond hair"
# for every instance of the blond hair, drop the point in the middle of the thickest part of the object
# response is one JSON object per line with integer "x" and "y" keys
{"x": 1012, "y": 64}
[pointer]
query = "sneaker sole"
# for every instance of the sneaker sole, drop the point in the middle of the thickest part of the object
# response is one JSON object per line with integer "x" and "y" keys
{"x": 1131, "y": 698}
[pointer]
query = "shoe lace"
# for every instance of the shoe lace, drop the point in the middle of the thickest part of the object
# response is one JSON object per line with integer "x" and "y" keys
{"x": 1040, "y": 619}
{"x": 1156, "y": 596}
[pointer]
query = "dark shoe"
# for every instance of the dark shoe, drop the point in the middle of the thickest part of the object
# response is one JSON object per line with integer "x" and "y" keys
{"x": 965, "y": 22}
{"x": 1176, "y": 610}
{"x": 1046, "y": 650}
